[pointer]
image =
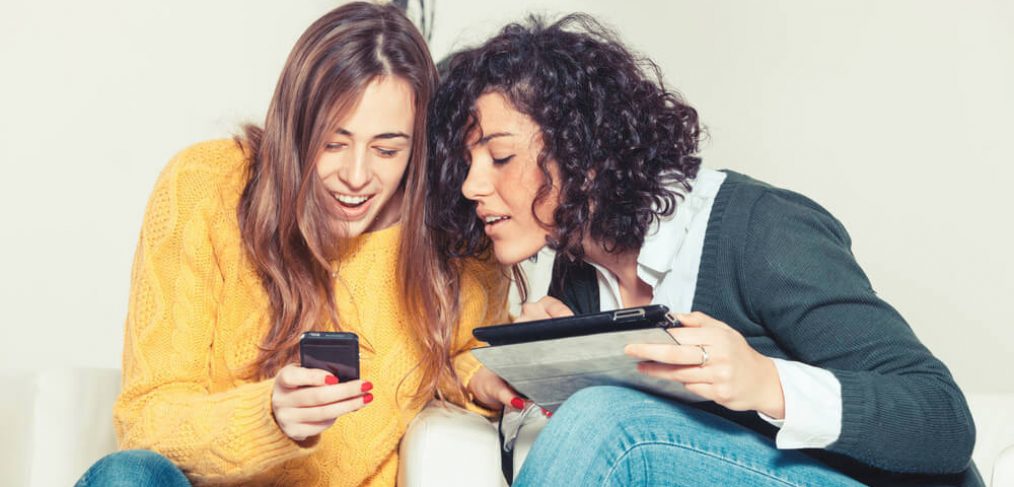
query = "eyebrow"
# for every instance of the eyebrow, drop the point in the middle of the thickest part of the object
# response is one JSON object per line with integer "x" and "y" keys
{"x": 383, "y": 136}
{"x": 485, "y": 139}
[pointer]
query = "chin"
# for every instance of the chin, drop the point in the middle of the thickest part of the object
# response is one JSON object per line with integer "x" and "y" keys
{"x": 353, "y": 229}
{"x": 512, "y": 255}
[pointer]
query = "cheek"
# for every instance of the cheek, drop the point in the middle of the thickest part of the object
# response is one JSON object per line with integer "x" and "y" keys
{"x": 392, "y": 171}
{"x": 326, "y": 164}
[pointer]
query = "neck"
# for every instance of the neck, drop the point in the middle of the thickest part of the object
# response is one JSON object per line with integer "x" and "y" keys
{"x": 623, "y": 265}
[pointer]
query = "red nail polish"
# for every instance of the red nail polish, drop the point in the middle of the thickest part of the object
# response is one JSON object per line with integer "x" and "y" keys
{"x": 330, "y": 380}
{"x": 518, "y": 403}
{"x": 367, "y": 398}
{"x": 367, "y": 386}
{"x": 548, "y": 414}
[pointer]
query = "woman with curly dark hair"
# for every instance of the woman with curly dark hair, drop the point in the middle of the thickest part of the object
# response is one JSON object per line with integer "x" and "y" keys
{"x": 558, "y": 135}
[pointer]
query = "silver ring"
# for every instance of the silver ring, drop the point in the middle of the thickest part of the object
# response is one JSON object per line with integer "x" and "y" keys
{"x": 704, "y": 356}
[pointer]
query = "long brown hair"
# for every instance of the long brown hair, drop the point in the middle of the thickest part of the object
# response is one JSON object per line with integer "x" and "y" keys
{"x": 287, "y": 234}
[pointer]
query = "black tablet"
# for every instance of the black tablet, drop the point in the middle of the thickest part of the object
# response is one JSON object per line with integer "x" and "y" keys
{"x": 653, "y": 316}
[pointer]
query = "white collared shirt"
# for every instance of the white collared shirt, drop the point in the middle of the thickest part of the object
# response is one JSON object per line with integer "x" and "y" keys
{"x": 669, "y": 261}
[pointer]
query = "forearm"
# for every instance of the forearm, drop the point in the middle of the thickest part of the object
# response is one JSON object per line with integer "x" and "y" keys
{"x": 225, "y": 436}
{"x": 904, "y": 423}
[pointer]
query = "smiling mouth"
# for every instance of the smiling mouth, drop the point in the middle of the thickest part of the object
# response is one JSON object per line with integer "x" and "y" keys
{"x": 495, "y": 219}
{"x": 350, "y": 201}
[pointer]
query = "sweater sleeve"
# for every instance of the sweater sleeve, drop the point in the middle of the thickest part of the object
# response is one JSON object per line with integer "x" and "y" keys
{"x": 165, "y": 404}
{"x": 901, "y": 409}
{"x": 484, "y": 291}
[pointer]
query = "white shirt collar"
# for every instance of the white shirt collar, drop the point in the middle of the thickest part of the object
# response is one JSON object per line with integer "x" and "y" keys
{"x": 667, "y": 235}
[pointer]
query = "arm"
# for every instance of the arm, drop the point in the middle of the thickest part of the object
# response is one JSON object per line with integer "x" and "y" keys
{"x": 166, "y": 404}
{"x": 901, "y": 410}
{"x": 484, "y": 288}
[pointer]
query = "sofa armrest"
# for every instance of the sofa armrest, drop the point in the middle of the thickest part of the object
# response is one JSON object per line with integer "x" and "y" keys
{"x": 450, "y": 447}
{"x": 1003, "y": 469}
{"x": 16, "y": 407}
{"x": 56, "y": 423}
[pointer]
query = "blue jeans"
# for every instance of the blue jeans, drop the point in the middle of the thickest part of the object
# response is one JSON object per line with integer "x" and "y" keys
{"x": 617, "y": 436}
{"x": 133, "y": 468}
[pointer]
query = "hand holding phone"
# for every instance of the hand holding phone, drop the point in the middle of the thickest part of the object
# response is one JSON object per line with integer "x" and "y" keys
{"x": 308, "y": 399}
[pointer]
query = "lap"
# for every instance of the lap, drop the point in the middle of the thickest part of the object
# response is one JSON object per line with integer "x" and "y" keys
{"x": 614, "y": 435}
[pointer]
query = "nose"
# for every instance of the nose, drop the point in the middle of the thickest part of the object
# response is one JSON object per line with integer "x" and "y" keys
{"x": 477, "y": 183}
{"x": 355, "y": 173}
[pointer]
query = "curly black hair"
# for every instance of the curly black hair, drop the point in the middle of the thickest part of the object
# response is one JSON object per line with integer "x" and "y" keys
{"x": 624, "y": 144}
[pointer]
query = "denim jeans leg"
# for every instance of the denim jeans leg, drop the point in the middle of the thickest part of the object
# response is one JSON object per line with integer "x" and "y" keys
{"x": 617, "y": 436}
{"x": 133, "y": 468}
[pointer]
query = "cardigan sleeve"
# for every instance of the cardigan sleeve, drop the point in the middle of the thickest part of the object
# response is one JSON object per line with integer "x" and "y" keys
{"x": 901, "y": 409}
{"x": 165, "y": 404}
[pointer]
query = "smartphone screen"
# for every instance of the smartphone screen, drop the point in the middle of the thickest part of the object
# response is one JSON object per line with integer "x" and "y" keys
{"x": 335, "y": 352}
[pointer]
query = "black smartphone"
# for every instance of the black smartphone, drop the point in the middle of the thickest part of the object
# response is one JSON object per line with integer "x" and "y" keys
{"x": 335, "y": 352}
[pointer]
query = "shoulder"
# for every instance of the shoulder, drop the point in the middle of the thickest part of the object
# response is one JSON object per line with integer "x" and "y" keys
{"x": 484, "y": 287}
{"x": 753, "y": 209}
{"x": 207, "y": 173}
{"x": 482, "y": 274}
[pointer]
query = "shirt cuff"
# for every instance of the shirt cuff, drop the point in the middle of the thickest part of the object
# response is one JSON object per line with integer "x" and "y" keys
{"x": 813, "y": 406}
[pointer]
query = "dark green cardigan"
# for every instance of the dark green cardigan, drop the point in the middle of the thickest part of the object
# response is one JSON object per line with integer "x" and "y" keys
{"x": 778, "y": 268}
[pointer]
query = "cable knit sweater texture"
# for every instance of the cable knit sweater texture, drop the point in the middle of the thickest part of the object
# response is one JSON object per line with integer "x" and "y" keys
{"x": 198, "y": 311}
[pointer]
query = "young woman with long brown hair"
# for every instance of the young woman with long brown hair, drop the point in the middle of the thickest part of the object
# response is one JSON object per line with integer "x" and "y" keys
{"x": 314, "y": 221}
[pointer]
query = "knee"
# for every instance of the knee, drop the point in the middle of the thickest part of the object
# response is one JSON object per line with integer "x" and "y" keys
{"x": 133, "y": 467}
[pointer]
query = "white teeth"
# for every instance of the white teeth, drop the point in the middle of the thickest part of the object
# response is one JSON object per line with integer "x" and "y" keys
{"x": 494, "y": 219}
{"x": 351, "y": 200}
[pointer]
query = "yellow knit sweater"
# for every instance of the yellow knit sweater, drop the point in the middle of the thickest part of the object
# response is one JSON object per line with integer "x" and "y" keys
{"x": 198, "y": 311}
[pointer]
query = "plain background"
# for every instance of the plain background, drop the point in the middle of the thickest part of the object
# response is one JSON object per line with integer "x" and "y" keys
{"x": 895, "y": 115}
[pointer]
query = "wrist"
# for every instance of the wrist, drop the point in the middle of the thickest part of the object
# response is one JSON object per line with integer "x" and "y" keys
{"x": 772, "y": 403}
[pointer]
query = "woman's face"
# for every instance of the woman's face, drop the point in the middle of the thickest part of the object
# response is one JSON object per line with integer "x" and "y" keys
{"x": 503, "y": 178}
{"x": 363, "y": 162}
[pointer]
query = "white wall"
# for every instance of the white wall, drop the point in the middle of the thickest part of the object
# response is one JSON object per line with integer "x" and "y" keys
{"x": 891, "y": 114}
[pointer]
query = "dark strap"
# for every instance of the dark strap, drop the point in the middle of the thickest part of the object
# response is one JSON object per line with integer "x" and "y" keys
{"x": 506, "y": 456}
{"x": 575, "y": 283}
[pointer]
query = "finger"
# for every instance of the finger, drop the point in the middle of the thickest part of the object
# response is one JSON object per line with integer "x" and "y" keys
{"x": 323, "y": 424}
{"x": 555, "y": 308}
{"x": 699, "y": 320}
{"x": 678, "y": 373}
{"x": 331, "y": 412}
{"x": 292, "y": 376}
{"x": 695, "y": 336}
{"x": 508, "y": 396}
{"x": 312, "y": 396}
{"x": 532, "y": 312}
{"x": 666, "y": 354}
{"x": 301, "y": 432}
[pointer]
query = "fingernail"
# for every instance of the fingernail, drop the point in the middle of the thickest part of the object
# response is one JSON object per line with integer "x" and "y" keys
{"x": 549, "y": 414}
{"x": 367, "y": 386}
{"x": 330, "y": 380}
{"x": 518, "y": 403}
{"x": 546, "y": 412}
{"x": 367, "y": 398}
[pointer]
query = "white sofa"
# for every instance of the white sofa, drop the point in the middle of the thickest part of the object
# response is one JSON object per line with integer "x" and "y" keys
{"x": 56, "y": 423}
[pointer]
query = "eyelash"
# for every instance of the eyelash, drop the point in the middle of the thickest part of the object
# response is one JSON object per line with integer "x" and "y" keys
{"x": 505, "y": 160}
{"x": 335, "y": 146}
